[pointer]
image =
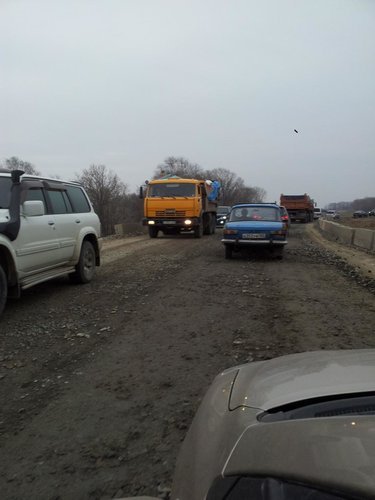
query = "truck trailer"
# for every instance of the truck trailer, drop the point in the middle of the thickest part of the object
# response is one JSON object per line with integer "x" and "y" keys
{"x": 174, "y": 205}
{"x": 300, "y": 207}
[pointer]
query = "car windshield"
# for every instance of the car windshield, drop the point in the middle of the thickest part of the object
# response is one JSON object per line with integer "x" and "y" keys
{"x": 174, "y": 189}
{"x": 5, "y": 187}
{"x": 223, "y": 210}
{"x": 256, "y": 213}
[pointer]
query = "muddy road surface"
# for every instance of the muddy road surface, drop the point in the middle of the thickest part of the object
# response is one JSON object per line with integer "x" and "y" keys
{"x": 99, "y": 383}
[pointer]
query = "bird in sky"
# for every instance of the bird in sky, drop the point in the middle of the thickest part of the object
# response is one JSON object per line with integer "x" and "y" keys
{"x": 296, "y": 131}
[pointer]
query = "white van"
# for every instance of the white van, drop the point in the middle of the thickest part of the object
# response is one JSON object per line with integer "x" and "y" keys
{"x": 317, "y": 213}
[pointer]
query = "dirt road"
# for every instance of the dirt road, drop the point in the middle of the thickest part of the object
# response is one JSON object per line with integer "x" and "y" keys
{"x": 99, "y": 383}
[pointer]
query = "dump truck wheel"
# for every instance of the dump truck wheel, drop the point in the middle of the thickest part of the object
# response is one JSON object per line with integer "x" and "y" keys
{"x": 213, "y": 224}
{"x": 153, "y": 231}
{"x": 198, "y": 231}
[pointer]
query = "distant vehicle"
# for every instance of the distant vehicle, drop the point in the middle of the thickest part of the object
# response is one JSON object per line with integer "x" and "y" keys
{"x": 222, "y": 215}
{"x": 295, "y": 427}
{"x": 332, "y": 214}
{"x": 300, "y": 207}
{"x": 372, "y": 212}
{"x": 173, "y": 205}
{"x": 255, "y": 225}
{"x": 285, "y": 216}
{"x": 317, "y": 213}
{"x": 360, "y": 213}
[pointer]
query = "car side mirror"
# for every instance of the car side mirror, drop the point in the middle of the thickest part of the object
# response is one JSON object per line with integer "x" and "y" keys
{"x": 33, "y": 208}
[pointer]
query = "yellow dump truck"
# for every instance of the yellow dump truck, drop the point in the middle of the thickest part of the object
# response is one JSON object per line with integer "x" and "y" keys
{"x": 173, "y": 205}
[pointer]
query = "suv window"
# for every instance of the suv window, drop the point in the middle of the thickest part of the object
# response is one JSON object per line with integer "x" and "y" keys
{"x": 36, "y": 194}
{"x": 78, "y": 199}
{"x": 5, "y": 187}
{"x": 58, "y": 203}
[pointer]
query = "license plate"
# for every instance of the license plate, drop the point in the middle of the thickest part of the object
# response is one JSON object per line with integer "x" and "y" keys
{"x": 254, "y": 236}
{"x": 169, "y": 222}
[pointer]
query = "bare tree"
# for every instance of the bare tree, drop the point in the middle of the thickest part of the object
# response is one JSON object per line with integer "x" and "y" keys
{"x": 179, "y": 166}
{"x": 134, "y": 208}
{"x": 107, "y": 193}
{"x": 233, "y": 188}
{"x": 365, "y": 204}
{"x": 14, "y": 163}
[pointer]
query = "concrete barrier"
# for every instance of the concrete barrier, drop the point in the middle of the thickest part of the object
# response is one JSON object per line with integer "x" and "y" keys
{"x": 364, "y": 238}
{"x": 343, "y": 234}
{"x": 119, "y": 229}
{"x": 349, "y": 236}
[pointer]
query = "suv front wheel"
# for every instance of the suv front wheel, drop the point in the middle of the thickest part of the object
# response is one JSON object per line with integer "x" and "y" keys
{"x": 85, "y": 269}
{"x": 3, "y": 289}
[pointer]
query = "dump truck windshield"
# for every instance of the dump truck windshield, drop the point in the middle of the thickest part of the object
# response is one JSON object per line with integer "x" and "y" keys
{"x": 173, "y": 190}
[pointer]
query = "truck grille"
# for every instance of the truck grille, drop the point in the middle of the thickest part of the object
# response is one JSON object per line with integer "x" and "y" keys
{"x": 170, "y": 213}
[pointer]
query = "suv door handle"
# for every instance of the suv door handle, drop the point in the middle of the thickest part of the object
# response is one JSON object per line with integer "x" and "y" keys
{"x": 51, "y": 223}
{"x": 78, "y": 221}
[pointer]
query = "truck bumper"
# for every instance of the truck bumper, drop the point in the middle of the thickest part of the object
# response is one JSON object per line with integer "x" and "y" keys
{"x": 186, "y": 223}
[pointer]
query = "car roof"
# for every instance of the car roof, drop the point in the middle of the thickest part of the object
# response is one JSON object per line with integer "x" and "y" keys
{"x": 239, "y": 205}
{"x": 7, "y": 173}
{"x": 297, "y": 377}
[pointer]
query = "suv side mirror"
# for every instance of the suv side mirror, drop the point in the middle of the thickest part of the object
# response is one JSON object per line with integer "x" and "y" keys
{"x": 33, "y": 208}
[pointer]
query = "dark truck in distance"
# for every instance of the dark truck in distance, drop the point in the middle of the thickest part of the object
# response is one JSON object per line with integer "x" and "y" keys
{"x": 300, "y": 207}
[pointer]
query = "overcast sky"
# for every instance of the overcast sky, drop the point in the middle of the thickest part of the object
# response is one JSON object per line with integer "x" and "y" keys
{"x": 223, "y": 83}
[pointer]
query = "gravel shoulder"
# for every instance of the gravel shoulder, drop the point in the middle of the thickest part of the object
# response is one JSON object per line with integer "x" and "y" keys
{"x": 361, "y": 261}
{"x": 99, "y": 383}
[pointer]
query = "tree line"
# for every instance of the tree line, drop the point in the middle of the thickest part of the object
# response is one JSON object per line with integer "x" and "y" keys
{"x": 114, "y": 204}
{"x": 365, "y": 204}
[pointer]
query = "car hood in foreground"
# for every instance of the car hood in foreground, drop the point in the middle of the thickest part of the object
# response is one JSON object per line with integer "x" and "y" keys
{"x": 297, "y": 377}
{"x": 334, "y": 453}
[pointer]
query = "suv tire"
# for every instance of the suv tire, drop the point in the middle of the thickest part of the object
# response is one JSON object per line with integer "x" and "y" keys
{"x": 85, "y": 269}
{"x": 3, "y": 289}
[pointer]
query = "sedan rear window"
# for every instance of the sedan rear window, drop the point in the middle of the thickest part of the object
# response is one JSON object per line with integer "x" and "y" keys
{"x": 251, "y": 213}
{"x": 5, "y": 187}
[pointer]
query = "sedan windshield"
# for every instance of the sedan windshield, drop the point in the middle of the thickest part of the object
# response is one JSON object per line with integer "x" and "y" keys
{"x": 5, "y": 187}
{"x": 255, "y": 214}
{"x": 223, "y": 210}
{"x": 171, "y": 190}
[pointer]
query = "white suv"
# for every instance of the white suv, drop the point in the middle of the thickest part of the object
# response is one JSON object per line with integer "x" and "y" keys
{"x": 48, "y": 228}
